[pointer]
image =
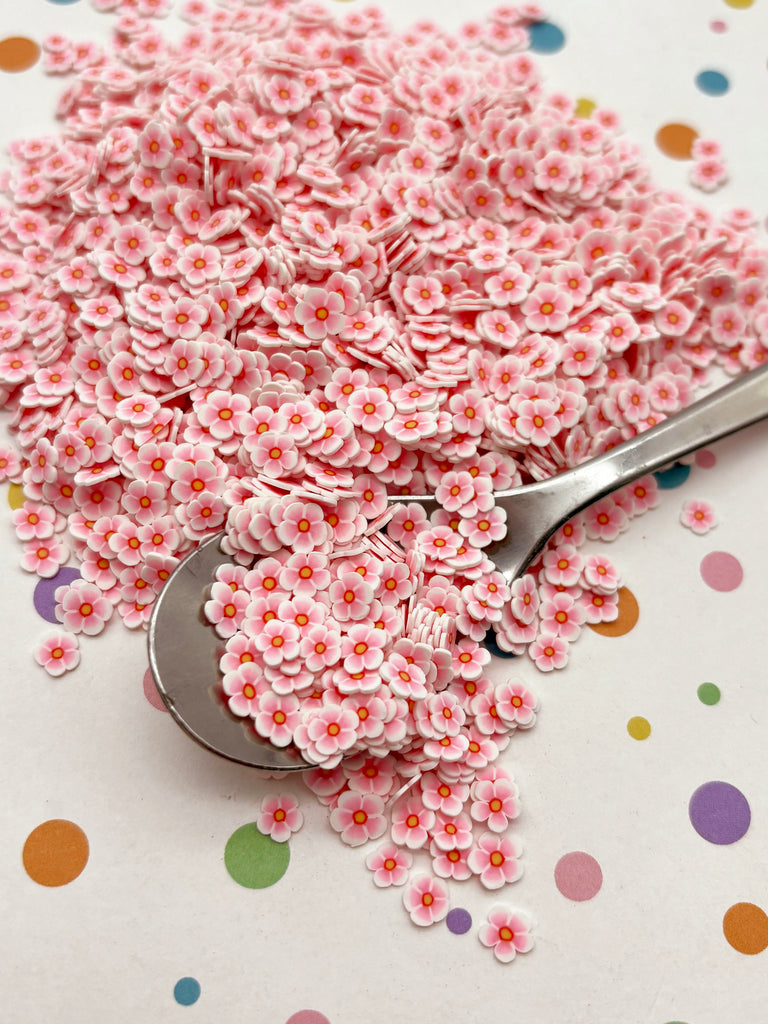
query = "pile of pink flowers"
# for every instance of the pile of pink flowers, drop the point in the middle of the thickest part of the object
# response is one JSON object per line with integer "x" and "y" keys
{"x": 270, "y": 274}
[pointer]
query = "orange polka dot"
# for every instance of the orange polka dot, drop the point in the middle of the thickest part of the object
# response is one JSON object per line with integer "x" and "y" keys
{"x": 676, "y": 140}
{"x": 629, "y": 613}
{"x": 55, "y": 852}
{"x": 745, "y": 926}
{"x": 17, "y": 53}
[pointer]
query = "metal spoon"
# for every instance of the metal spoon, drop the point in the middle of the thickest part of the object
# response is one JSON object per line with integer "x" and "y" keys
{"x": 184, "y": 650}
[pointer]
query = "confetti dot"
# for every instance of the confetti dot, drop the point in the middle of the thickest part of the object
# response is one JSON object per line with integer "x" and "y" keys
{"x": 626, "y": 620}
{"x": 17, "y": 53}
{"x": 44, "y": 596}
{"x": 676, "y": 140}
{"x": 186, "y": 991}
{"x": 308, "y": 1017}
{"x": 545, "y": 37}
{"x": 150, "y": 691}
{"x": 740, "y": 5}
{"x": 459, "y": 921}
{"x": 708, "y": 693}
{"x": 713, "y": 83}
{"x": 63, "y": 3}
{"x": 578, "y": 876}
{"x": 15, "y": 496}
{"x": 673, "y": 477}
{"x": 639, "y": 728}
{"x": 584, "y": 106}
{"x": 55, "y": 852}
{"x": 492, "y": 644}
{"x": 718, "y": 26}
{"x": 719, "y": 812}
{"x": 745, "y": 926}
{"x": 705, "y": 459}
{"x": 255, "y": 861}
{"x": 721, "y": 571}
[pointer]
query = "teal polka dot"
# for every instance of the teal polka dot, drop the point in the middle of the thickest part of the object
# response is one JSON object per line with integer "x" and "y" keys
{"x": 545, "y": 37}
{"x": 186, "y": 991}
{"x": 492, "y": 644}
{"x": 708, "y": 693}
{"x": 713, "y": 83}
{"x": 63, "y": 3}
{"x": 673, "y": 477}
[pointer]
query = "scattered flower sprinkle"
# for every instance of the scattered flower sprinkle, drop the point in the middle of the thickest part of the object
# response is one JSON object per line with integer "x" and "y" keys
{"x": 290, "y": 265}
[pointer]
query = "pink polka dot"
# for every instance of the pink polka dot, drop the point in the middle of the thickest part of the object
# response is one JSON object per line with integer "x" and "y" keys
{"x": 721, "y": 571}
{"x": 150, "y": 692}
{"x": 705, "y": 459}
{"x": 308, "y": 1017}
{"x": 578, "y": 876}
{"x": 718, "y": 26}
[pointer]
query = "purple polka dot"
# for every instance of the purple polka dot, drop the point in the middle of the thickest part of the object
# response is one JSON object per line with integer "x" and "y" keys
{"x": 705, "y": 459}
{"x": 308, "y": 1017}
{"x": 719, "y": 812}
{"x": 578, "y": 876}
{"x": 150, "y": 691}
{"x": 459, "y": 921}
{"x": 44, "y": 600}
{"x": 721, "y": 571}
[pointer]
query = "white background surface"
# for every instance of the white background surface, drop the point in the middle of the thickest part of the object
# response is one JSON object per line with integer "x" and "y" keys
{"x": 155, "y": 902}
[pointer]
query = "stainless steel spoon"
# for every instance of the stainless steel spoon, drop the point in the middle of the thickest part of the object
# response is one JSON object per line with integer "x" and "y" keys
{"x": 184, "y": 650}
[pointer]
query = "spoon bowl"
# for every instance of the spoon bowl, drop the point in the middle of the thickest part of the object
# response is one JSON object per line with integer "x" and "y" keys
{"x": 184, "y": 650}
{"x": 184, "y": 653}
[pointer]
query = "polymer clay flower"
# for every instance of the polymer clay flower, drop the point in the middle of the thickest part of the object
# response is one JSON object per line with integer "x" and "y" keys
{"x": 698, "y": 516}
{"x": 389, "y": 864}
{"x": 426, "y": 900}
{"x": 358, "y": 817}
{"x": 82, "y": 607}
{"x": 279, "y": 817}
{"x": 507, "y": 932}
{"x": 58, "y": 653}
{"x": 495, "y": 859}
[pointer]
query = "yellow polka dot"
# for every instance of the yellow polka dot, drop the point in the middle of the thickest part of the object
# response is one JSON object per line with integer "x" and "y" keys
{"x": 639, "y": 728}
{"x": 15, "y": 496}
{"x": 584, "y": 106}
{"x": 740, "y": 5}
{"x": 629, "y": 613}
{"x": 17, "y": 53}
{"x": 55, "y": 852}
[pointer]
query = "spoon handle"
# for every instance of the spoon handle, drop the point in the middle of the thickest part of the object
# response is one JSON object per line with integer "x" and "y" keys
{"x": 534, "y": 512}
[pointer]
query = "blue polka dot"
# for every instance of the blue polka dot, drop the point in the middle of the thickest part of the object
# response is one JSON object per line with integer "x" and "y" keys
{"x": 713, "y": 83}
{"x": 675, "y": 476}
{"x": 186, "y": 991}
{"x": 459, "y": 921}
{"x": 492, "y": 644}
{"x": 545, "y": 37}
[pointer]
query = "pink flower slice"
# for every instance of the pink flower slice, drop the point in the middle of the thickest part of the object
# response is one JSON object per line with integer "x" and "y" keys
{"x": 58, "y": 653}
{"x": 279, "y": 817}
{"x": 426, "y": 900}
{"x": 389, "y": 864}
{"x": 507, "y": 932}
{"x": 358, "y": 817}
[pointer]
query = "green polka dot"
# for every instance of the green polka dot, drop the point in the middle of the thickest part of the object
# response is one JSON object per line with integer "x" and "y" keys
{"x": 639, "y": 728}
{"x": 708, "y": 693}
{"x": 254, "y": 860}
